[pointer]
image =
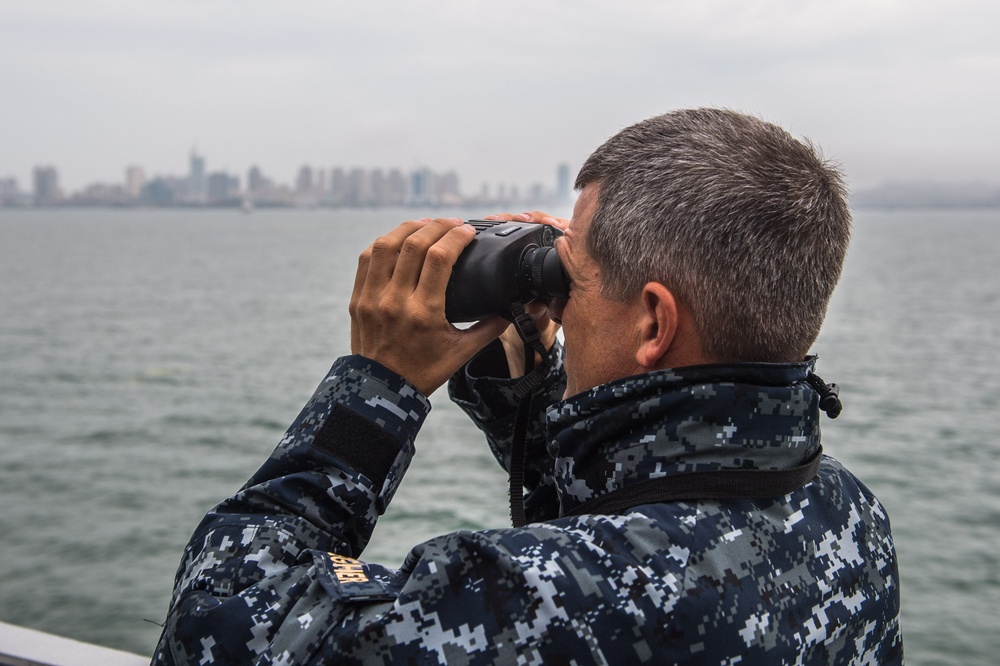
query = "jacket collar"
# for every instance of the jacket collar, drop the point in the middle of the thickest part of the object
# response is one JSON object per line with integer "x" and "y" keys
{"x": 696, "y": 418}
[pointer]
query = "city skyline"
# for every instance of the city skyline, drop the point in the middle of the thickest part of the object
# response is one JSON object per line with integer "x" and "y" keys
{"x": 310, "y": 186}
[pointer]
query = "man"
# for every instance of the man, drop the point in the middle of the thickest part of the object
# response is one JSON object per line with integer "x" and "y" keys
{"x": 702, "y": 253}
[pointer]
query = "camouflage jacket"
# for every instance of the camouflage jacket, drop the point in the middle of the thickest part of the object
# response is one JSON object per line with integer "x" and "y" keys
{"x": 271, "y": 576}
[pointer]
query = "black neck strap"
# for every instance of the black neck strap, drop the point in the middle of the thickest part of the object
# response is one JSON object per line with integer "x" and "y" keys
{"x": 532, "y": 340}
{"x": 717, "y": 485}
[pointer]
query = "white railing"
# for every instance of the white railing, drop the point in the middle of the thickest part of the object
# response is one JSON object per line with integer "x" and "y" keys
{"x": 28, "y": 647}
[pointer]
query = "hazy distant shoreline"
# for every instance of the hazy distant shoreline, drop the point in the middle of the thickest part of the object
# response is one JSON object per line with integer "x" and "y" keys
{"x": 907, "y": 195}
{"x": 884, "y": 205}
{"x": 928, "y": 194}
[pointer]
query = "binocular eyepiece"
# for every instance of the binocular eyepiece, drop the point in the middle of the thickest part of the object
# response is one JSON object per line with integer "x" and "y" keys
{"x": 506, "y": 263}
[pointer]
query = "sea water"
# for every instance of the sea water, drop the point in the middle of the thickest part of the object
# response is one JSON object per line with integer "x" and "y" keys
{"x": 151, "y": 359}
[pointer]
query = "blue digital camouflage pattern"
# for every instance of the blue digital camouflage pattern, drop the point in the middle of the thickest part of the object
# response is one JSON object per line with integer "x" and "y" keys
{"x": 271, "y": 575}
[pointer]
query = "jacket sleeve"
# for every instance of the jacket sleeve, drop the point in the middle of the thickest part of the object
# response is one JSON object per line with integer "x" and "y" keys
{"x": 314, "y": 502}
{"x": 485, "y": 391}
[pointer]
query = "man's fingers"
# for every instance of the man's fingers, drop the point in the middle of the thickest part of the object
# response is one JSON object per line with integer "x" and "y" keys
{"x": 360, "y": 275}
{"x": 384, "y": 252}
{"x": 544, "y": 218}
{"x": 438, "y": 262}
{"x": 352, "y": 308}
{"x": 375, "y": 268}
{"x": 413, "y": 254}
{"x": 536, "y": 216}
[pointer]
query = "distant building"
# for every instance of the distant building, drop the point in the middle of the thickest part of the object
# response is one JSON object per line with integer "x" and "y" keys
{"x": 421, "y": 188}
{"x": 263, "y": 191}
{"x": 164, "y": 191}
{"x": 196, "y": 178}
{"x": 446, "y": 190}
{"x": 255, "y": 180}
{"x": 9, "y": 193}
{"x": 46, "y": 191}
{"x": 378, "y": 186}
{"x": 356, "y": 188}
{"x": 102, "y": 194}
{"x": 304, "y": 181}
{"x": 319, "y": 181}
{"x": 305, "y": 187}
{"x": 135, "y": 180}
{"x": 222, "y": 188}
{"x": 338, "y": 187}
{"x": 563, "y": 185}
{"x": 395, "y": 188}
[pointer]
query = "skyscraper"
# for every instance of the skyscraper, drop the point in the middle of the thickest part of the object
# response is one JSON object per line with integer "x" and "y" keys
{"x": 421, "y": 187}
{"x": 304, "y": 181}
{"x": 135, "y": 180}
{"x": 222, "y": 188}
{"x": 338, "y": 186}
{"x": 196, "y": 177}
{"x": 563, "y": 185}
{"x": 357, "y": 187}
{"x": 46, "y": 190}
{"x": 396, "y": 188}
{"x": 255, "y": 180}
{"x": 8, "y": 190}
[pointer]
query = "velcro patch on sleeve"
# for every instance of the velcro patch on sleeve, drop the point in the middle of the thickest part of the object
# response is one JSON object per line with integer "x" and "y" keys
{"x": 362, "y": 444}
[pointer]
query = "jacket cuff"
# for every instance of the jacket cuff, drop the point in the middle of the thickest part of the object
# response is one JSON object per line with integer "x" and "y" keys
{"x": 484, "y": 390}
{"x": 367, "y": 416}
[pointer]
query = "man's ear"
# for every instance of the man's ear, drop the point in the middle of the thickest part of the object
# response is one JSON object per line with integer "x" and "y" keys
{"x": 657, "y": 324}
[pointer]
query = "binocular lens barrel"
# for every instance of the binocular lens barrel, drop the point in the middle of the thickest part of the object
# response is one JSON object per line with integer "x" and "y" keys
{"x": 506, "y": 263}
{"x": 547, "y": 279}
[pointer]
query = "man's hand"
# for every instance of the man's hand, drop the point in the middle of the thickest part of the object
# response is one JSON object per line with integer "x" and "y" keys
{"x": 513, "y": 346}
{"x": 397, "y": 307}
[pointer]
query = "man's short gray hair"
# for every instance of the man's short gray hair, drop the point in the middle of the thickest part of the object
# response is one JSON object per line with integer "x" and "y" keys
{"x": 746, "y": 225}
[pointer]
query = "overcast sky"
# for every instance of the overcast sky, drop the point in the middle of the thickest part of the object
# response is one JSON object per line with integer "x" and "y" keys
{"x": 499, "y": 91}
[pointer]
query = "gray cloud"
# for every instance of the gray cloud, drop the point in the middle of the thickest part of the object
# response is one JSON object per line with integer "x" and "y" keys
{"x": 500, "y": 91}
